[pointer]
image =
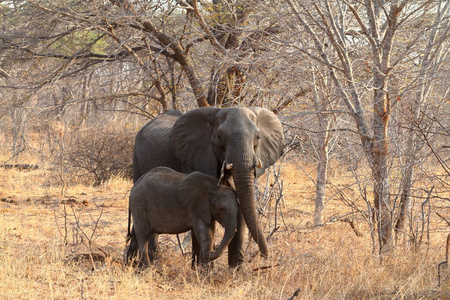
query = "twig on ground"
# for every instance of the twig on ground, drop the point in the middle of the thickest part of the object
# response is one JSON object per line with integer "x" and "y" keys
{"x": 295, "y": 294}
{"x": 265, "y": 268}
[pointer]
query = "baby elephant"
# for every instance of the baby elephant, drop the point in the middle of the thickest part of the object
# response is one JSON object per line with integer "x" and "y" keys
{"x": 166, "y": 201}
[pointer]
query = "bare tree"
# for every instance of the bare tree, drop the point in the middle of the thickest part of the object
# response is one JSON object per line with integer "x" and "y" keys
{"x": 363, "y": 72}
{"x": 376, "y": 71}
{"x": 323, "y": 105}
{"x": 431, "y": 58}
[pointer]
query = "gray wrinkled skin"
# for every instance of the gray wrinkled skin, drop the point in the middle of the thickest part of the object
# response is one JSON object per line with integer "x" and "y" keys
{"x": 246, "y": 140}
{"x": 169, "y": 202}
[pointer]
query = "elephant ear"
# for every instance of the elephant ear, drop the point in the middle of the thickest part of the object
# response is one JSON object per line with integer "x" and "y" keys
{"x": 191, "y": 140}
{"x": 272, "y": 138}
{"x": 194, "y": 192}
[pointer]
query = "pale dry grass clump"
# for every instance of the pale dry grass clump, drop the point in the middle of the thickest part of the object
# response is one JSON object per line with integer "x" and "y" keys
{"x": 71, "y": 247}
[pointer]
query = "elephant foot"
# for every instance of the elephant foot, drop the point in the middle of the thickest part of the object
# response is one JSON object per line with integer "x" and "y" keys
{"x": 234, "y": 261}
{"x": 131, "y": 252}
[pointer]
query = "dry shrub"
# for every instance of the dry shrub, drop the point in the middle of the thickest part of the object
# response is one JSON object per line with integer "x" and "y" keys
{"x": 43, "y": 256}
{"x": 101, "y": 152}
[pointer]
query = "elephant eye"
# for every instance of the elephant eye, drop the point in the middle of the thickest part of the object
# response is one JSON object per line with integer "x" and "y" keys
{"x": 257, "y": 139}
{"x": 219, "y": 141}
{"x": 219, "y": 138}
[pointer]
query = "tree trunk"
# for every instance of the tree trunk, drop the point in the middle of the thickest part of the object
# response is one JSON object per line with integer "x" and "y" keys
{"x": 405, "y": 202}
{"x": 380, "y": 167}
{"x": 321, "y": 184}
{"x": 181, "y": 57}
{"x": 321, "y": 104}
{"x": 381, "y": 44}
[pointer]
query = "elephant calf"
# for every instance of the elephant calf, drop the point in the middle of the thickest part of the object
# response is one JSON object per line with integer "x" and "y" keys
{"x": 166, "y": 201}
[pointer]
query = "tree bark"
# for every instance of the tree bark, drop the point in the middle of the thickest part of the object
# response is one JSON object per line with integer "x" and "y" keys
{"x": 321, "y": 184}
{"x": 323, "y": 139}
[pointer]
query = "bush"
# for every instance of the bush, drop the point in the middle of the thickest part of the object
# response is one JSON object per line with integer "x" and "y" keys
{"x": 101, "y": 152}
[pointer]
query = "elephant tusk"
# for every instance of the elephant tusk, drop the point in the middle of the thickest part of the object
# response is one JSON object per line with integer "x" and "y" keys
{"x": 258, "y": 164}
{"x": 229, "y": 166}
{"x": 222, "y": 173}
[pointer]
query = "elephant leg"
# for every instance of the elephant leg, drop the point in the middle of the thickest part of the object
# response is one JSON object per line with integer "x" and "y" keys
{"x": 132, "y": 249}
{"x": 153, "y": 247}
{"x": 143, "y": 241}
{"x": 212, "y": 247}
{"x": 235, "y": 248}
{"x": 204, "y": 237}
{"x": 195, "y": 249}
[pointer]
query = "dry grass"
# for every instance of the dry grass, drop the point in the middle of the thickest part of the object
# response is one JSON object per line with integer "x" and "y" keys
{"x": 70, "y": 247}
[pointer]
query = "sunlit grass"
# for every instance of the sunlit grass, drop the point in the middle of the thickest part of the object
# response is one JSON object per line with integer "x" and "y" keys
{"x": 70, "y": 246}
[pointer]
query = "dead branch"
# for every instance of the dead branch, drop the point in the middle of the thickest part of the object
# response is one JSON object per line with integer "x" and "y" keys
{"x": 272, "y": 232}
{"x": 352, "y": 225}
{"x": 443, "y": 218}
{"x": 297, "y": 291}
{"x": 265, "y": 268}
{"x": 20, "y": 167}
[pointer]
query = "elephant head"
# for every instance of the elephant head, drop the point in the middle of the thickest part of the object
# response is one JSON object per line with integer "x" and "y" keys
{"x": 203, "y": 197}
{"x": 246, "y": 140}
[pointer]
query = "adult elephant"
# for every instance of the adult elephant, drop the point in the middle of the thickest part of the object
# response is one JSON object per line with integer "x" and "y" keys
{"x": 238, "y": 143}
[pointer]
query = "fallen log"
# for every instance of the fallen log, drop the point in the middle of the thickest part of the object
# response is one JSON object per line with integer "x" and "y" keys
{"x": 21, "y": 167}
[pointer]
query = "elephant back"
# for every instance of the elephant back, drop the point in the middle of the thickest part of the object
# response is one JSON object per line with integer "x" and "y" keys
{"x": 153, "y": 146}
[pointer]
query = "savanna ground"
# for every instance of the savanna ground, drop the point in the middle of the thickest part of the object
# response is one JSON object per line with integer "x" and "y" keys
{"x": 71, "y": 247}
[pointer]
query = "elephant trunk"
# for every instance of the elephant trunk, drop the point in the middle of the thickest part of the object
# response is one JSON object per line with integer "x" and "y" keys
{"x": 230, "y": 229}
{"x": 244, "y": 184}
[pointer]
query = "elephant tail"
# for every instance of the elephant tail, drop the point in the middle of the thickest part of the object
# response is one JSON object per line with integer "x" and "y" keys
{"x": 129, "y": 225}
